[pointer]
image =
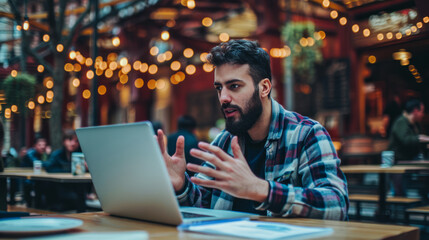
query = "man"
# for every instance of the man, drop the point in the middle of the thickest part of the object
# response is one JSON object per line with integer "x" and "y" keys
{"x": 38, "y": 152}
{"x": 60, "y": 159}
{"x": 41, "y": 189}
{"x": 186, "y": 126}
{"x": 405, "y": 137}
{"x": 65, "y": 196}
{"x": 268, "y": 160}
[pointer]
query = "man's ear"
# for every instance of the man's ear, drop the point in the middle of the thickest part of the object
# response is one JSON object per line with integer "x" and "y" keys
{"x": 264, "y": 87}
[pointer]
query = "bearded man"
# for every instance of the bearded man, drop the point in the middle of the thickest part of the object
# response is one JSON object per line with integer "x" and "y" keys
{"x": 268, "y": 160}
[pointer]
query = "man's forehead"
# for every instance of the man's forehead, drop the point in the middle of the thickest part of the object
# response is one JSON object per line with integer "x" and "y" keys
{"x": 227, "y": 72}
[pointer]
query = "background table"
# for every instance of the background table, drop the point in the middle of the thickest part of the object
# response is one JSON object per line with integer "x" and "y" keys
{"x": 382, "y": 185}
{"x": 29, "y": 174}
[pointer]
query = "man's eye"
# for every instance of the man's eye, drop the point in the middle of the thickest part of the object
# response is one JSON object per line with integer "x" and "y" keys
{"x": 233, "y": 86}
{"x": 218, "y": 88}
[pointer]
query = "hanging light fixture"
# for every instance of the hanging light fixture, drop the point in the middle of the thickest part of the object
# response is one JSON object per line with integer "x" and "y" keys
{"x": 403, "y": 56}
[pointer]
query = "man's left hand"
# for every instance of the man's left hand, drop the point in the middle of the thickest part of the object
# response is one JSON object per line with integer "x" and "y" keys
{"x": 232, "y": 174}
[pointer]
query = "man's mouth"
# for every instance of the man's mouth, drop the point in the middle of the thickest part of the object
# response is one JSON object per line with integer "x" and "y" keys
{"x": 229, "y": 112}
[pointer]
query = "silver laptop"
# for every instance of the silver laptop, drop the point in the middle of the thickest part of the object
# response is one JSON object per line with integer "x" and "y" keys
{"x": 131, "y": 179}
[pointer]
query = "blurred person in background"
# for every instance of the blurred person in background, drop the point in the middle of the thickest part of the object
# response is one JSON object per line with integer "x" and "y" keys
{"x": 405, "y": 139}
{"x": 65, "y": 196}
{"x": 186, "y": 127}
{"x": 41, "y": 189}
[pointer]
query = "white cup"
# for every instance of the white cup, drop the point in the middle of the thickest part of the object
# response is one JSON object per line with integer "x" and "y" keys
{"x": 387, "y": 158}
{"x": 37, "y": 167}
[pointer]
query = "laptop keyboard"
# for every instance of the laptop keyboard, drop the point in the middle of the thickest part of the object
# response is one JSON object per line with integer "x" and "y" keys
{"x": 193, "y": 215}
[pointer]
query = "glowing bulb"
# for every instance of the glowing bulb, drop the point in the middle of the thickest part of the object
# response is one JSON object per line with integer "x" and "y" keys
{"x": 343, "y": 21}
{"x": 50, "y": 94}
{"x": 366, "y": 32}
{"x": 372, "y": 59}
{"x": 154, "y": 50}
{"x": 26, "y": 25}
{"x": 224, "y": 37}
{"x": 102, "y": 89}
{"x": 14, "y": 108}
{"x": 60, "y": 47}
{"x": 90, "y": 74}
{"x": 123, "y": 62}
{"x": 355, "y": 28}
{"x": 380, "y": 36}
{"x": 31, "y": 105}
{"x": 14, "y": 73}
{"x": 153, "y": 69}
{"x": 334, "y": 14}
{"x": 207, "y": 22}
{"x": 86, "y": 94}
{"x": 190, "y": 4}
{"x": 326, "y": 3}
{"x": 40, "y": 68}
{"x": 188, "y": 52}
{"x": 139, "y": 83}
{"x": 151, "y": 84}
{"x": 203, "y": 57}
{"x": 190, "y": 69}
{"x": 46, "y": 38}
{"x": 389, "y": 35}
{"x": 175, "y": 65}
{"x": 398, "y": 35}
{"x": 41, "y": 99}
{"x": 116, "y": 41}
{"x": 165, "y": 35}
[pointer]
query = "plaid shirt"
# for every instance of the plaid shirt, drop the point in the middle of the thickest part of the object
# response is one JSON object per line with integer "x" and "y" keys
{"x": 301, "y": 167}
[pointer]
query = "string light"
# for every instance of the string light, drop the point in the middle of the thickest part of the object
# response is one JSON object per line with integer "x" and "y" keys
{"x": 398, "y": 35}
{"x": 355, "y": 28}
{"x": 144, "y": 67}
{"x": 190, "y": 69}
{"x": 190, "y": 4}
{"x": 151, "y": 84}
{"x": 31, "y": 105}
{"x": 207, "y": 22}
{"x": 77, "y": 67}
{"x": 72, "y": 55}
{"x": 334, "y": 14}
{"x": 139, "y": 83}
{"x": 40, "y": 68}
{"x": 116, "y": 41}
{"x": 419, "y": 24}
{"x": 343, "y": 21}
{"x": 7, "y": 113}
{"x": 41, "y": 99}
{"x": 168, "y": 55}
{"x": 136, "y": 65}
{"x": 123, "y": 62}
{"x": 154, "y": 50}
{"x": 366, "y": 32}
{"x": 153, "y": 69}
{"x": 165, "y": 35}
{"x": 60, "y": 47}
{"x": 50, "y": 94}
{"x": 102, "y": 90}
{"x": 86, "y": 94}
{"x": 203, "y": 57}
{"x": 224, "y": 37}
{"x": 76, "y": 82}
{"x": 14, "y": 108}
{"x": 188, "y": 52}
{"x": 380, "y": 36}
{"x": 123, "y": 79}
{"x": 26, "y": 25}
{"x": 372, "y": 59}
{"x": 90, "y": 74}
{"x": 175, "y": 65}
{"x": 389, "y": 35}
{"x": 46, "y": 38}
{"x": 14, "y": 73}
{"x": 207, "y": 67}
{"x": 326, "y": 3}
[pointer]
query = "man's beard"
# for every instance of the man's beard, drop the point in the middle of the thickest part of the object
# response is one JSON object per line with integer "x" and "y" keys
{"x": 247, "y": 119}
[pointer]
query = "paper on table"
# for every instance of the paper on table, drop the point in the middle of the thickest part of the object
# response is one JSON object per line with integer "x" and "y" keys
{"x": 258, "y": 229}
{"x": 126, "y": 235}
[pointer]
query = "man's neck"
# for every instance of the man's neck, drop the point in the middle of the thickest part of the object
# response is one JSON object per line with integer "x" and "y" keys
{"x": 259, "y": 130}
{"x": 409, "y": 117}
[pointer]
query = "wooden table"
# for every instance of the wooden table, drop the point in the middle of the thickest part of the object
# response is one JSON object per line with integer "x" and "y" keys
{"x": 382, "y": 186}
{"x": 28, "y": 173}
{"x": 421, "y": 163}
{"x": 102, "y": 222}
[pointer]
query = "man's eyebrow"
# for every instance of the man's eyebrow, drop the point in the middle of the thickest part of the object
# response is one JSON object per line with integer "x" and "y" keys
{"x": 229, "y": 82}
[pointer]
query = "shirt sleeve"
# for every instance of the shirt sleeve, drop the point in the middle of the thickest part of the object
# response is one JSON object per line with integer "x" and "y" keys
{"x": 322, "y": 192}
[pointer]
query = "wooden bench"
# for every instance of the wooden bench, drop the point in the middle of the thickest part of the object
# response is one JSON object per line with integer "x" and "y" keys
{"x": 370, "y": 198}
{"x": 423, "y": 210}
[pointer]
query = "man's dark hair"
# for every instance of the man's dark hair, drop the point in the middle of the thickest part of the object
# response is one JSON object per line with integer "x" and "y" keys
{"x": 68, "y": 134}
{"x": 412, "y": 104}
{"x": 186, "y": 122}
{"x": 243, "y": 52}
{"x": 39, "y": 138}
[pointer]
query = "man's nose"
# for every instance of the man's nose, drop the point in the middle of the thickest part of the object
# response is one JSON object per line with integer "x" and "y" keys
{"x": 224, "y": 97}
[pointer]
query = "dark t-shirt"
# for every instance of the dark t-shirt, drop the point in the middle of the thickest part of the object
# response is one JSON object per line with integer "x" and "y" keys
{"x": 255, "y": 156}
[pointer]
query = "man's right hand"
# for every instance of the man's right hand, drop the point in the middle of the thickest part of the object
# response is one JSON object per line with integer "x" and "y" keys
{"x": 176, "y": 164}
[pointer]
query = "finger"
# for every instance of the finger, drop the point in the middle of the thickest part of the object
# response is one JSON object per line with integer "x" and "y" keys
{"x": 207, "y": 183}
{"x": 160, "y": 138}
{"x": 208, "y": 171}
{"x": 208, "y": 157}
{"x": 216, "y": 151}
{"x": 180, "y": 146}
{"x": 236, "y": 150}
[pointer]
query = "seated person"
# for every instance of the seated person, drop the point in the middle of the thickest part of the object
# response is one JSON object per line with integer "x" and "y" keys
{"x": 65, "y": 196}
{"x": 37, "y": 153}
{"x": 268, "y": 160}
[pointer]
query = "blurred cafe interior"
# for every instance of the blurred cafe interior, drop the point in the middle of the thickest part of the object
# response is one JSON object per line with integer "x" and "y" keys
{"x": 349, "y": 64}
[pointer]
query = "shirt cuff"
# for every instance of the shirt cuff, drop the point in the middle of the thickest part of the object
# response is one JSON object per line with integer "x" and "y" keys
{"x": 279, "y": 198}
{"x": 184, "y": 191}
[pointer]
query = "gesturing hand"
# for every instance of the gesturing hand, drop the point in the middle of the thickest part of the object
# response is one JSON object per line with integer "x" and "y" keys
{"x": 232, "y": 174}
{"x": 176, "y": 164}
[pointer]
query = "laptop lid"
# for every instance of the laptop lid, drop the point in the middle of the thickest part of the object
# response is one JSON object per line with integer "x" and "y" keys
{"x": 130, "y": 176}
{"x": 128, "y": 172}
